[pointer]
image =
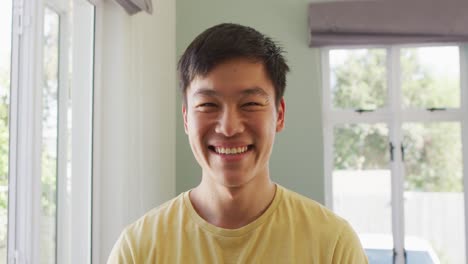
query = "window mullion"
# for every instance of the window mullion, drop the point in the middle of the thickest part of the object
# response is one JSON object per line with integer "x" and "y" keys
{"x": 327, "y": 128}
{"x": 17, "y": 17}
{"x": 464, "y": 125}
{"x": 422, "y": 115}
{"x": 63, "y": 199}
{"x": 397, "y": 168}
{"x": 345, "y": 117}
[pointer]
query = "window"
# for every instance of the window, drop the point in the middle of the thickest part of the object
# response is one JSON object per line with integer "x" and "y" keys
{"x": 48, "y": 188}
{"x": 395, "y": 158}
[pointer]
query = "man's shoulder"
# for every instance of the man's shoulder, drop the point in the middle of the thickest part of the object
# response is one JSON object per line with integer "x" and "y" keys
{"x": 293, "y": 198}
{"x": 321, "y": 227}
{"x": 137, "y": 241}
{"x": 155, "y": 219}
{"x": 309, "y": 209}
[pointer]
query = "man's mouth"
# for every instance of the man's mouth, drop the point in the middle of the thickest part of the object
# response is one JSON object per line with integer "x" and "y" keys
{"x": 230, "y": 150}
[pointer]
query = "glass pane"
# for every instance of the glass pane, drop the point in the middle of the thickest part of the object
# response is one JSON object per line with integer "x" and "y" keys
{"x": 358, "y": 78}
{"x": 49, "y": 135}
{"x": 430, "y": 77}
{"x": 5, "y": 62}
{"x": 434, "y": 205}
{"x": 362, "y": 184}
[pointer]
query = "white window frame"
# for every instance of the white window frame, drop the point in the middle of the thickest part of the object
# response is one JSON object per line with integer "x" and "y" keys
{"x": 394, "y": 116}
{"x": 24, "y": 197}
{"x": 97, "y": 128}
{"x": 25, "y": 152}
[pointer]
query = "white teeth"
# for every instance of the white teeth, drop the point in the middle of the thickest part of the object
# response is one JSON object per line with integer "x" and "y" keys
{"x": 230, "y": 151}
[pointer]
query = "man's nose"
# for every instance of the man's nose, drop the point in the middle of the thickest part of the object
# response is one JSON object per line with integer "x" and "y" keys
{"x": 230, "y": 123}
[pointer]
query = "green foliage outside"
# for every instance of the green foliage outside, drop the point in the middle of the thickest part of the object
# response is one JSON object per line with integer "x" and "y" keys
{"x": 361, "y": 82}
{"x": 48, "y": 199}
{"x": 422, "y": 89}
{"x": 48, "y": 166}
{"x": 49, "y": 116}
{"x": 433, "y": 161}
{"x": 4, "y": 141}
{"x": 360, "y": 147}
{"x": 4, "y": 100}
{"x": 433, "y": 157}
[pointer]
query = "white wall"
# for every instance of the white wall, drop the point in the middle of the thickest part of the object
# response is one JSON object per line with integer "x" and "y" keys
{"x": 134, "y": 140}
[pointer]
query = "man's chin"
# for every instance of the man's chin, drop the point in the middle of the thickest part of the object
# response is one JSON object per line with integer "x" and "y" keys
{"x": 234, "y": 180}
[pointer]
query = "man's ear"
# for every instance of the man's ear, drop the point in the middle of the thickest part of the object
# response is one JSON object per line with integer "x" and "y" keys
{"x": 280, "y": 115}
{"x": 184, "y": 114}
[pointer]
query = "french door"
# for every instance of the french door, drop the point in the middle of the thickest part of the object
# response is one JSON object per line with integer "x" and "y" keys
{"x": 396, "y": 142}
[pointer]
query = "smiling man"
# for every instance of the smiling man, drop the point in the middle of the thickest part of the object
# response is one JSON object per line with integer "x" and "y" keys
{"x": 232, "y": 79}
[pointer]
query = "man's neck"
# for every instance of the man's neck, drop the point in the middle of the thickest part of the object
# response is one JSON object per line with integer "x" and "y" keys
{"x": 232, "y": 208}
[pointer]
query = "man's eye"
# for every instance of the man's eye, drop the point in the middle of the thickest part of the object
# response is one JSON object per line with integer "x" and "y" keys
{"x": 252, "y": 104}
{"x": 207, "y": 105}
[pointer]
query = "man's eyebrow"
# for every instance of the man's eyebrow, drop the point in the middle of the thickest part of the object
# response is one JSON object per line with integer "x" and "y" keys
{"x": 246, "y": 92}
{"x": 255, "y": 91}
{"x": 205, "y": 92}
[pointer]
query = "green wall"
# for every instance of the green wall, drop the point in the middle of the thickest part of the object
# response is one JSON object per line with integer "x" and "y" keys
{"x": 297, "y": 160}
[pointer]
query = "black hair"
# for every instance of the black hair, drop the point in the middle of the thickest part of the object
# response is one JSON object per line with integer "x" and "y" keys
{"x": 229, "y": 41}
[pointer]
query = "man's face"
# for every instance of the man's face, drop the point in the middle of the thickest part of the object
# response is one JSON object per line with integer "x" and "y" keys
{"x": 231, "y": 120}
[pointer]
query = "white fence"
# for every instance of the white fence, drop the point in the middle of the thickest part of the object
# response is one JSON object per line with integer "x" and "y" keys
{"x": 365, "y": 201}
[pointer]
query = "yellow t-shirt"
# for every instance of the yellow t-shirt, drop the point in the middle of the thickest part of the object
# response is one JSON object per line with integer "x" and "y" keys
{"x": 294, "y": 229}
